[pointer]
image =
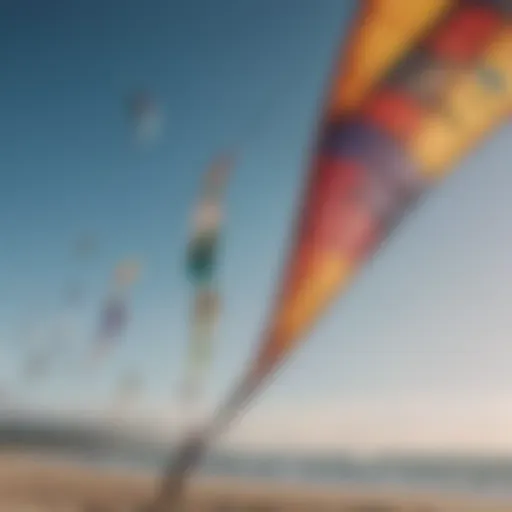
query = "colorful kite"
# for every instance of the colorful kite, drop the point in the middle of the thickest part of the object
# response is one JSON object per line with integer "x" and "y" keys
{"x": 201, "y": 268}
{"x": 423, "y": 82}
{"x": 438, "y": 80}
{"x": 114, "y": 315}
{"x": 206, "y": 224}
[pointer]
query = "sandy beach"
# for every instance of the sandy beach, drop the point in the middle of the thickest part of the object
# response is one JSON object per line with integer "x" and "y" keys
{"x": 29, "y": 484}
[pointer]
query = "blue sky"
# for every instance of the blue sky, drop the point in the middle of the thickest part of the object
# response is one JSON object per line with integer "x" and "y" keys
{"x": 426, "y": 323}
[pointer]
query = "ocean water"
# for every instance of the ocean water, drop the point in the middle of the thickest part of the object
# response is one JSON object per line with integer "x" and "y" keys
{"x": 489, "y": 477}
{"x": 483, "y": 477}
{"x": 479, "y": 476}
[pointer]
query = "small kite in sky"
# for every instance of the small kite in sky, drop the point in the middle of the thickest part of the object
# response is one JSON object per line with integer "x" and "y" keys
{"x": 114, "y": 315}
{"x": 114, "y": 318}
{"x": 126, "y": 273}
{"x": 201, "y": 267}
{"x": 146, "y": 117}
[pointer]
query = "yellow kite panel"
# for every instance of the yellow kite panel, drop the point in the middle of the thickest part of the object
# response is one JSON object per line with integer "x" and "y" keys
{"x": 329, "y": 274}
{"x": 472, "y": 108}
{"x": 387, "y": 30}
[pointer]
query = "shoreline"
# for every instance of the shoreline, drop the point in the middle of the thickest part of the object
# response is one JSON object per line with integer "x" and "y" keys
{"x": 57, "y": 482}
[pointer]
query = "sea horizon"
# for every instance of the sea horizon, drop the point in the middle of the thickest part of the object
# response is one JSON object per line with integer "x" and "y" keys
{"x": 447, "y": 473}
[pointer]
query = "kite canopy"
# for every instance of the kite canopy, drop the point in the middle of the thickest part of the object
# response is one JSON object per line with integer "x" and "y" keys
{"x": 145, "y": 116}
{"x": 201, "y": 267}
{"x": 436, "y": 79}
{"x": 207, "y": 222}
{"x": 421, "y": 84}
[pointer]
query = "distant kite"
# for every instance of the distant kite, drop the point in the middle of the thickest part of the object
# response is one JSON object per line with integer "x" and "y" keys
{"x": 201, "y": 267}
{"x": 145, "y": 116}
{"x": 113, "y": 319}
{"x": 126, "y": 273}
{"x": 114, "y": 315}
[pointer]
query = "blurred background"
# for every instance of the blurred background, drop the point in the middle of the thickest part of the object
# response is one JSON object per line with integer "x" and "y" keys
{"x": 111, "y": 113}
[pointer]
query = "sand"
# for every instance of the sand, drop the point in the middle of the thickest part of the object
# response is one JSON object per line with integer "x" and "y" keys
{"x": 36, "y": 485}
